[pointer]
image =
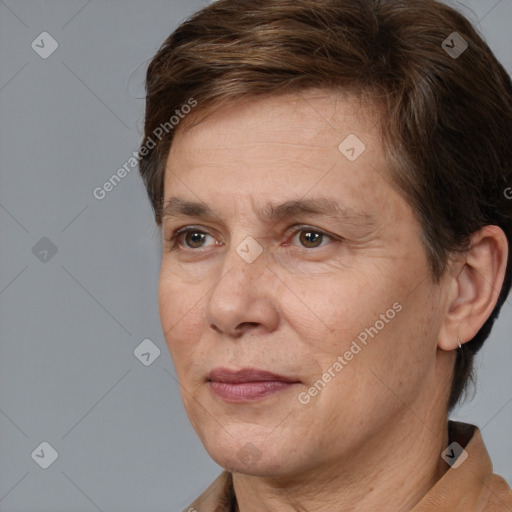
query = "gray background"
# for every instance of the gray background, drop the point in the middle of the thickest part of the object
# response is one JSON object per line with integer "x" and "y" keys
{"x": 69, "y": 325}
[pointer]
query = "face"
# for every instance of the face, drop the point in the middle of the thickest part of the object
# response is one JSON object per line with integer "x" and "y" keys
{"x": 299, "y": 259}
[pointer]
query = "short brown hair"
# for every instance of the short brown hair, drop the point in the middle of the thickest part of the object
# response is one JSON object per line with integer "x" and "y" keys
{"x": 447, "y": 127}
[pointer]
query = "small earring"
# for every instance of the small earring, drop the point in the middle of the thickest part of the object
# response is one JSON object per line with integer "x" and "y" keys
{"x": 458, "y": 341}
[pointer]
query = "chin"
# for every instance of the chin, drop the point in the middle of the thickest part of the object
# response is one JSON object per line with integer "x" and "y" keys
{"x": 263, "y": 467}
{"x": 254, "y": 455}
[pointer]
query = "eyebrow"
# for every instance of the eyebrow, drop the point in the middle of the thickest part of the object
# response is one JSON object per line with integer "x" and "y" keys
{"x": 176, "y": 207}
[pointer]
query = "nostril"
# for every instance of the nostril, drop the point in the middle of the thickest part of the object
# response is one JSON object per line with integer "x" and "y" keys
{"x": 246, "y": 326}
{"x": 250, "y": 324}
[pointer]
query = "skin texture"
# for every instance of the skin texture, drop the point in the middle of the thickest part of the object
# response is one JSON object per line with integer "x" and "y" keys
{"x": 371, "y": 439}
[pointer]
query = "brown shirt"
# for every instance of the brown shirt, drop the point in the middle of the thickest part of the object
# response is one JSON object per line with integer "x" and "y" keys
{"x": 471, "y": 487}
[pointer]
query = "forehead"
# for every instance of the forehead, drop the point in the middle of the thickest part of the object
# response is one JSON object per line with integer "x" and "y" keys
{"x": 314, "y": 141}
{"x": 309, "y": 119}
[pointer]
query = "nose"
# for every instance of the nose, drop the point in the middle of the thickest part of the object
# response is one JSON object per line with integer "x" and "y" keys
{"x": 242, "y": 300}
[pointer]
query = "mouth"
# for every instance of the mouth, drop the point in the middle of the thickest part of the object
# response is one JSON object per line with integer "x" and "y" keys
{"x": 247, "y": 385}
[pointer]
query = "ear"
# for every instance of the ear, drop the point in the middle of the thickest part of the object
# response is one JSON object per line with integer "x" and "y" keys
{"x": 473, "y": 286}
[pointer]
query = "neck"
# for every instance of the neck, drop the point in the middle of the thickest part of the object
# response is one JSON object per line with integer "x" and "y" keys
{"x": 392, "y": 472}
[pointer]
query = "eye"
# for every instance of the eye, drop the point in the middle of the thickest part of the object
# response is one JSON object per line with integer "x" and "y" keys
{"x": 190, "y": 238}
{"x": 193, "y": 238}
{"x": 310, "y": 238}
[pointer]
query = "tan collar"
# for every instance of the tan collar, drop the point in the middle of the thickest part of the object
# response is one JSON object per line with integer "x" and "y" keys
{"x": 471, "y": 487}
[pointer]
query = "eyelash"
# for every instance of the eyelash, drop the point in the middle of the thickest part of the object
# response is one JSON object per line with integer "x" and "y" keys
{"x": 174, "y": 239}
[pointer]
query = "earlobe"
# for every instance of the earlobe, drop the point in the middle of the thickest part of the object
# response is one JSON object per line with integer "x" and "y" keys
{"x": 475, "y": 287}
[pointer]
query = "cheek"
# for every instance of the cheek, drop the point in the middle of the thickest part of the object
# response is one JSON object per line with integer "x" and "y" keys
{"x": 400, "y": 356}
{"x": 179, "y": 315}
{"x": 373, "y": 321}
{"x": 178, "y": 298}
{"x": 331, "y": 311}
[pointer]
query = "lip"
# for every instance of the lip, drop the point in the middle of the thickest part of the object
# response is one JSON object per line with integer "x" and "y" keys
{"x": 245, "y": 375}
{"x": 247, "y": 385}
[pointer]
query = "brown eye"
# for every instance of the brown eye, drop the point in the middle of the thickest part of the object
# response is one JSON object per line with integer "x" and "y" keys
{"x": 311, "y": 239}
{"x": 194, "y": 239}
